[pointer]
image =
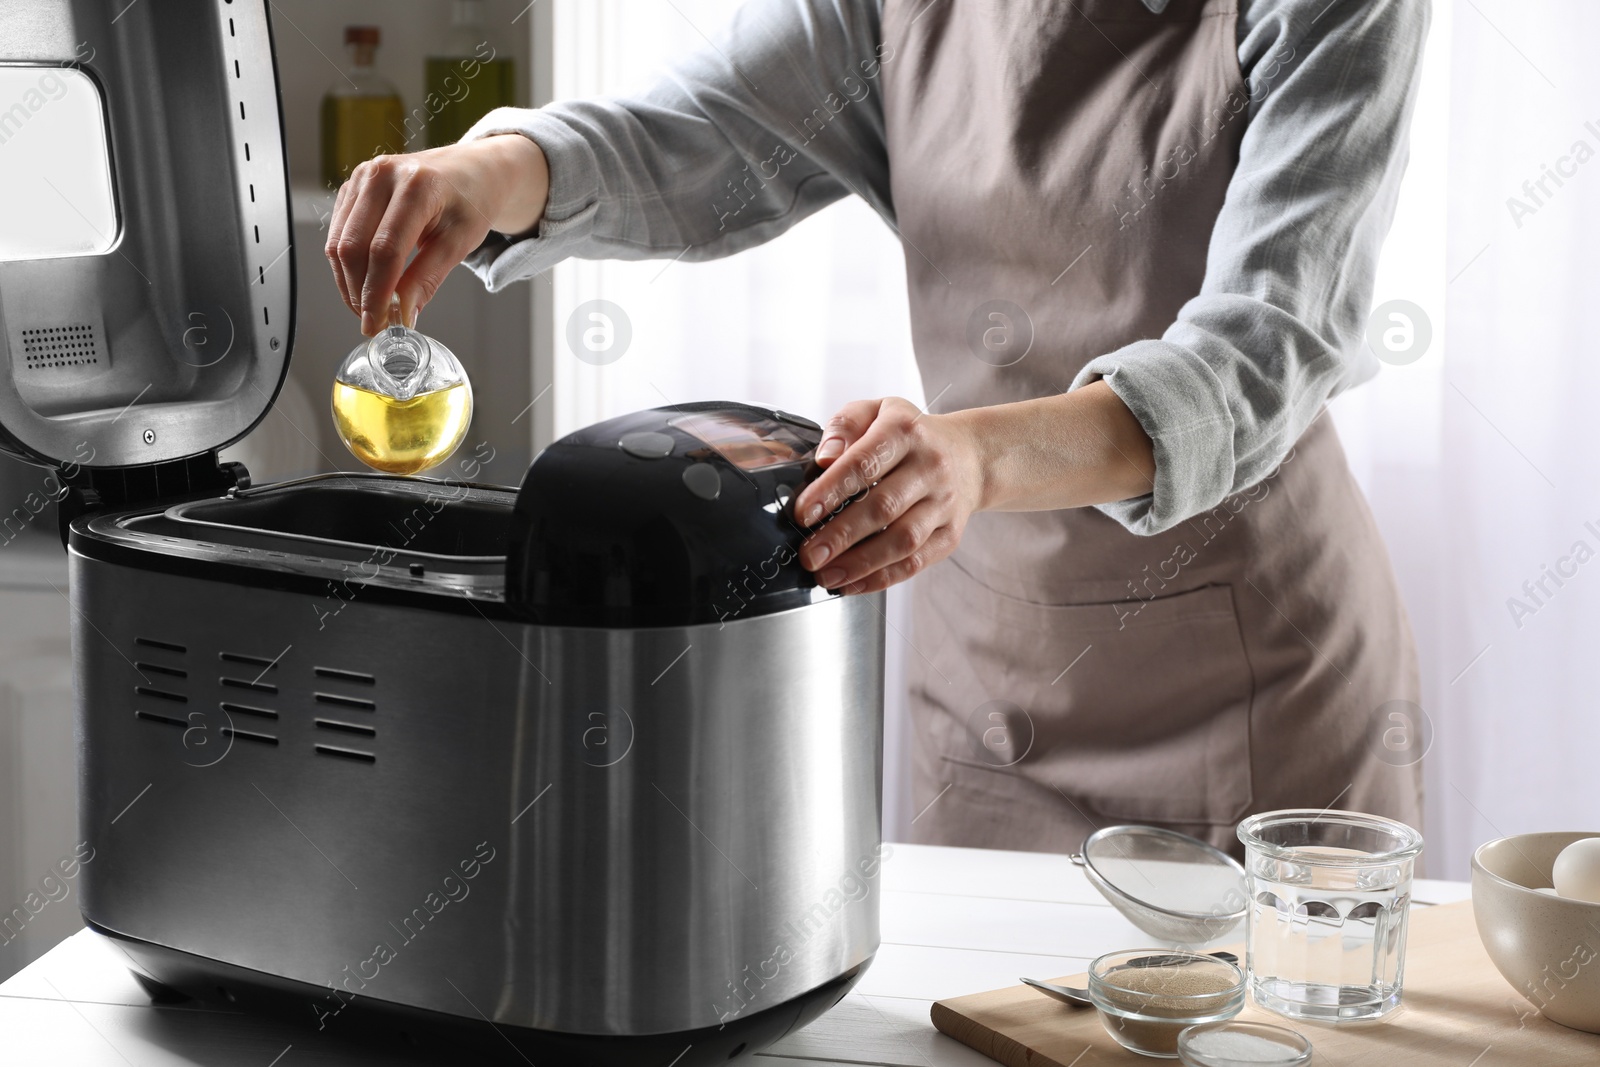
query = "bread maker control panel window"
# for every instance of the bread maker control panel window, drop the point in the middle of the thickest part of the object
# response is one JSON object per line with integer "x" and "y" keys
{"x": 749, "y": 442}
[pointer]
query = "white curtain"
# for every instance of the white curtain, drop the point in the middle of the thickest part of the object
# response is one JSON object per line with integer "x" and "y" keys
{"x": 1477, "y": 457}
{"x": 1480, "y": 457}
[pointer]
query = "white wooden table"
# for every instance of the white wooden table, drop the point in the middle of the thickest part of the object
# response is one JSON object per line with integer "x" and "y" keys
{"x": 954, "y": 921}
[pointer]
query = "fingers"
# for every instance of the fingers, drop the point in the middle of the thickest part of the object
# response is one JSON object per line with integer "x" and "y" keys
{"x": 341, "y": 211}
{"x": 395, "y": 208}
{"x": 411, "y": 212}
{"x": 350, "y": 242}
{"x": 882, "y": 439}
{"x": 900, "y": 491}
{"x": 939, "y": 544}
{"x": 439, "y": 254}
{"x": 344, "y": 204}
{"x": 895, "y": 541}
{"x": 354, "y": 237}
{"x": 845, "y": 428}
{"x": 884, "y": 504}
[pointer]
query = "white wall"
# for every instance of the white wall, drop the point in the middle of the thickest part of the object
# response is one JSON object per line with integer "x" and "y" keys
{"x": 38, "y": 782}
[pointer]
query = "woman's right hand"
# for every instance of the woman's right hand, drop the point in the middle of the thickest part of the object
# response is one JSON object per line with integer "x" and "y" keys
{"x": 440, "y": 203}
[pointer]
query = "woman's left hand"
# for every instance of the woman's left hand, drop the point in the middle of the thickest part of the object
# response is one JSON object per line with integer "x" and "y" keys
{"x": 923, "y": 478}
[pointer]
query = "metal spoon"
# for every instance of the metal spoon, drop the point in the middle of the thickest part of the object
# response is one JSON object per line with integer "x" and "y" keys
{"x": 1079, "y": 998}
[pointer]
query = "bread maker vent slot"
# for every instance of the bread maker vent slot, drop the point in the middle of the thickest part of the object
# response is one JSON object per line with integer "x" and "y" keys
{"x": 347, "y": 727}
{"x": 345, "y": 676}
{"x": 246, "y": 735}
{"x": 254, "y": 661}
{"x": 49, "y": 347}
{"x": 346, "y": 753}
{"x": 255, "y": 687}
{"x": 160, "y": 694}
{"x": 150, "y": 716}
{"x": 156, "y": 668}
{"x": 346, "y": 702}
{"x": 150, "y": 642}
{"x": 245, "y": 709}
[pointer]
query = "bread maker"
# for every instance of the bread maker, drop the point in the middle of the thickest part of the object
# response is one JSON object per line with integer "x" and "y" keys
{"x": 586, "y": 769}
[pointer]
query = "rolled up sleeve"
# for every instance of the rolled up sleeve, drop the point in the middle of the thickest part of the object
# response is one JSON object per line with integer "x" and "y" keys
{"x": 1278, "y": 326}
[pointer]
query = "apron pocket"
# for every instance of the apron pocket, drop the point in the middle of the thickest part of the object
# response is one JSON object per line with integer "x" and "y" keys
{"x": 1133, "y": 711}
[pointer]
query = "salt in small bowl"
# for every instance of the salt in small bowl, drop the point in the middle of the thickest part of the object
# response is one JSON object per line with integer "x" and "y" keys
{"x": 1242, "y": 1044}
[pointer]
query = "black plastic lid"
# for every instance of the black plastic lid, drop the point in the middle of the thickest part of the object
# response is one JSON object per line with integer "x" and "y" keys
{"x": 668, "y": 517}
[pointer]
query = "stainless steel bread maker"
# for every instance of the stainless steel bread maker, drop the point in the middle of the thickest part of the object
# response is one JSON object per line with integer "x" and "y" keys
{"x": 587, "y": 769}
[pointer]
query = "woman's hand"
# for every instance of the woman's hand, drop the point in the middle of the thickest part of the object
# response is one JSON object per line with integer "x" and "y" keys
{"x": 923, "y": 478}
{"x": 440, "y": 203}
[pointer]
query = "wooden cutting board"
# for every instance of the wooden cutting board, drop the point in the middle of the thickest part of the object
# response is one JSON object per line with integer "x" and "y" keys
{"x": 1457, "y": 1011}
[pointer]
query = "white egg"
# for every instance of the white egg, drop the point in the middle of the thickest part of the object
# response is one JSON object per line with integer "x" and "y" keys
{"x": 1577, "y": 871}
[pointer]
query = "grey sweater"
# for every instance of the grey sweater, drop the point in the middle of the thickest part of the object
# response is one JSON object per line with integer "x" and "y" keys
{"x": 1277, "y": 328}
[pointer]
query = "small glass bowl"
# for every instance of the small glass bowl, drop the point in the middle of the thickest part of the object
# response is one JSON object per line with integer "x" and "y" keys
{"x": 1239, "y": 1044}
{"x": 1147, "y": 997}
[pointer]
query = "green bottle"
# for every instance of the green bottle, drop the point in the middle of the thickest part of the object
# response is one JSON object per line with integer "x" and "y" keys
{"x": 470, "y": 78}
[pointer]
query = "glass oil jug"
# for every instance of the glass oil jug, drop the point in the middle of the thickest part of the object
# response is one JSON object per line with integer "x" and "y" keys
{"x": 401, "y": 401}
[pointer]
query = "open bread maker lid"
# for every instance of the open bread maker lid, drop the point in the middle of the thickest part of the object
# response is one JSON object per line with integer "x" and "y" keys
{"x": 146, "y": 246}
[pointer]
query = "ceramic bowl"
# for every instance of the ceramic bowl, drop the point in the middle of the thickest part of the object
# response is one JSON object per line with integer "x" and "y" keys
{"x": 1547, "y": 947}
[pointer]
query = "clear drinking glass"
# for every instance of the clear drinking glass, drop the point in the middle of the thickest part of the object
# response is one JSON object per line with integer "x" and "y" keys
{"x": 1329, "y": 897}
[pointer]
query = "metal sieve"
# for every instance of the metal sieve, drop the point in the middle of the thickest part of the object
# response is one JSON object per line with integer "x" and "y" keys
{"x": 1172, "y": 886}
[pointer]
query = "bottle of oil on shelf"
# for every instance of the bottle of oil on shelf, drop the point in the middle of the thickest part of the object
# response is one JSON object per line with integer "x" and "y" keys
{"x": 401, "y": 401}
{"x": 362, "y": 115}
{"x": 468, "y": 78}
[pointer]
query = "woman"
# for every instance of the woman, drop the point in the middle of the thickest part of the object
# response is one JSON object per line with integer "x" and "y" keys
{"x": 1139, "y": 238}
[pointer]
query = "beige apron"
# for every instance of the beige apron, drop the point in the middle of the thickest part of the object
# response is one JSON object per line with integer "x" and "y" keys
{"x": 1068, "y": 158}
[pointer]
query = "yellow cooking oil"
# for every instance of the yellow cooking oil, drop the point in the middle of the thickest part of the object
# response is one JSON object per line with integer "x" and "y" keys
{"x": 468, "y": 74}
{"x": 462, "y": 91}
{"x": 357, "y": 128}
{"x": 402, "y": 436}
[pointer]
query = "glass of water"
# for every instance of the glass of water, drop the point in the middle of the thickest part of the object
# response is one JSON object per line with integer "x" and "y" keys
{"x": 1326, "y": 928}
